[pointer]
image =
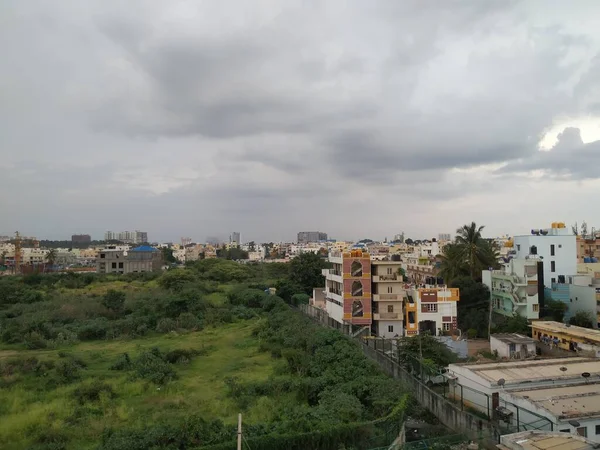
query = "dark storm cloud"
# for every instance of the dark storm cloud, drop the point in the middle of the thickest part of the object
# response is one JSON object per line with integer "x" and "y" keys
{"x": 225, "y": 113}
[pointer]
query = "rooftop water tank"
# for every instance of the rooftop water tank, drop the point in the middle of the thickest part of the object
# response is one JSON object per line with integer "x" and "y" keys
{"x": 587, "y": 259}
{"x": 594, "y": 260}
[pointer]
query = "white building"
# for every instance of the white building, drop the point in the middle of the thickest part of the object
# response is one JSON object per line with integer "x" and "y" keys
{"x": 568, "y": 408}
{"x": 556, "y": 247}
{"x": 431, "y": 309}
{"x": 514, "y": 289}
{"x": 544, "y": 440}
{"x": 512, "y": 346}
{"x": 480, "y": 384}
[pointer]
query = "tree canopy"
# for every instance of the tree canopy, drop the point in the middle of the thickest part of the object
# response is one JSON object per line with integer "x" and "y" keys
{"x": 468, "y": 255}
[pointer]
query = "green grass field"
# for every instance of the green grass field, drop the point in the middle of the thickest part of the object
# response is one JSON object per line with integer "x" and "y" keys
{"x": 28, "y": 410}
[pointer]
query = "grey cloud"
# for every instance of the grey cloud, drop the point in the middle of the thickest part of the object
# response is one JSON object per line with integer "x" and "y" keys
{"x": 195, "y": 117}
{"x": 569, "y": 159}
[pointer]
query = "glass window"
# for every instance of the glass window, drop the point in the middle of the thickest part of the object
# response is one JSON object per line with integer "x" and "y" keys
{"x": 582, "y": 431}
{"x": 552, "y": 250}
{"x": 390, "y": 308}
{"x": 390, "y": 328}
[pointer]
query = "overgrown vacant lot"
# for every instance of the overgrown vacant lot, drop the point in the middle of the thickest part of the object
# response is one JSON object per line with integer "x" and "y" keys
{"x": 167, "y": 361}
{"x": 28, "y": 409}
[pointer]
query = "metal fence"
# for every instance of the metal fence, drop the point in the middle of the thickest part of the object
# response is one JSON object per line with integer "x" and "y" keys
{"x": 484, "y": 420}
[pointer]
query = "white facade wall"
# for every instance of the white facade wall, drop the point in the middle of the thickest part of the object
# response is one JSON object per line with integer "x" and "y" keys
{"x": 565, "y": 252}
{"x": 384, "y": 330}
{"x": 530, "y": 413}
{"x": 503, "y": 348}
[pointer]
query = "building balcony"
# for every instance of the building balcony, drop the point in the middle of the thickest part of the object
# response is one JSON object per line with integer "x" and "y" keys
{"x": 385, "y": 278}
{"x": 387, "y": 297}
{"x": 387, "y": 316}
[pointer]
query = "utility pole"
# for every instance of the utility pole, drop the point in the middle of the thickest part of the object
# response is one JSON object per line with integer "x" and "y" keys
{"x": 239, "y": 440}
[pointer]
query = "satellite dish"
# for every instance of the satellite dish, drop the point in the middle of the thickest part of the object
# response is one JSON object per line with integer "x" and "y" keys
{"x": 563, "y": 369}
{"x": 501, "y": 382}
{"x": 585, "y": 374}
{"x": 574, "y": 423}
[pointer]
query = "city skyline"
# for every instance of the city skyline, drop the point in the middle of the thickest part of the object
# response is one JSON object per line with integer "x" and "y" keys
{"x": 189, "y": 118}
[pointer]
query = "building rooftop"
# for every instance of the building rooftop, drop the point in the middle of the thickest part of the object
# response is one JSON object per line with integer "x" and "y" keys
{"x": 565, "y": 402}
{"x": 143, "y": 248}
{"x": 558, "y": 327}
{"x": 513, "y": 338}
{"x": 545, "y": 440}
{"x": 514, "y": 372}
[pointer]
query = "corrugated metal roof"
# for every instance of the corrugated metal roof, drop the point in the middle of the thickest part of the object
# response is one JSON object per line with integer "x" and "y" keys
{"x": 144, "y": 248}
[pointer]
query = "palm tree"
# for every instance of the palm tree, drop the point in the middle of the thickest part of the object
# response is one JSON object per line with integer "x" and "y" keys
{"x": 452, "y": 265}
{"x": 51, "y": 257}
{"x": 468, "y": 255}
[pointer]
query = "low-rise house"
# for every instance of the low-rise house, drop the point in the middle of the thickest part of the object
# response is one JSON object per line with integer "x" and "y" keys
{"x": 567, "y": 337}
{"x": 566, "y": 408}
{"x": 512, "y": 346}
{"x": 479, "y": 385}
{"x": 544, "y": 440}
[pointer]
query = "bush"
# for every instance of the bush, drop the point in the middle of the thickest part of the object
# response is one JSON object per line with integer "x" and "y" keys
{"x": 93, "y": 392}
{"x": 166, "y": 325}
{"x": 471, "y": 333}
{"x": 180, "y": 355}
{"x": 34, "y": 341}
{"x": 67, "y": 371}
{"x": 114, "y": 300}
{"x": 188, "y": 321}
{"x": 151, "y": 366}
{"x": 123, "y": 363}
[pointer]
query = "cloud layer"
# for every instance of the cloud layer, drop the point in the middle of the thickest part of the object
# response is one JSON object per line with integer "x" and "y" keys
{"x": 201, "y": 118}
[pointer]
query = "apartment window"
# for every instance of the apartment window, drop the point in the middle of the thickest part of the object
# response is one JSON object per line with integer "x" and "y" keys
{"x": 552, "y": 250}
{"x": 553, "y": 280}
{"x": 390, "y": 328}
{"x": 102, "y": 255}
{"x": 582, "y": 431}
{"x": 390, "y": 289}
{"x": 114, "y": 265}
{"x": 390, "y": 308}
{"x": 389, "y": 270}
{"x": 565, "y": 431}
{"x": 446, "y": 326}
{"x": 536, "y": 307}
{"x": 597, "y": 429}
{"x": 411, "y": 317}
{"x": 552, "y": 266}
{"x": 431, "y": 307}
{"x": 120, "y": 265}
{"x": 518, "y": 247}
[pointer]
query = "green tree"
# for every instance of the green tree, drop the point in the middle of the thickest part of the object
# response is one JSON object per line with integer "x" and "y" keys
{"x": 582, "y": 319}
{"x": 114, "y": 300}
{"x": 514, "y": 324}
{"x": 469, "y": 254}
{"x": 51, "y": 257}
{"x": 413, "y": 349}
{"x": 167, "y": 254}
{"x": 306, "y": 271}
{"x": 474, "y": 304}
{"x": 554, "y": 310}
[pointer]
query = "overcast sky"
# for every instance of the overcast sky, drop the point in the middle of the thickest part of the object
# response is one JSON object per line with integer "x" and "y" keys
{"x": 357, "y": 118}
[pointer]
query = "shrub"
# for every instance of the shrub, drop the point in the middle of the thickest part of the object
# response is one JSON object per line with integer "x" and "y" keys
{"x": 35, "y": 341}
{"x": 114, "y": 300}
{"x": 151, "y": 366}
{"x": 189, "y": 321}
{"x": 166, "y": 325}
{"x": 471, "y": 333}
{"x": 67, "y": 371}
{"x": 180, "y": 355}
{"x": 123, "y": 363}
{"x": 92, "y": 392}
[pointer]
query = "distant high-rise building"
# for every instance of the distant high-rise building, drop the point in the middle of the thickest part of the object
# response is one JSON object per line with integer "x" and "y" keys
{"x": 305, "y": 237}
{"x": 81, "y": 239}
{"x": 399, "y": 238}
{"x": 444, "y": 237}
{"x": 235, "y": 237}
{"x": 128, "y": 237}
